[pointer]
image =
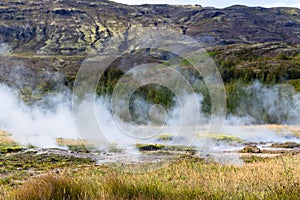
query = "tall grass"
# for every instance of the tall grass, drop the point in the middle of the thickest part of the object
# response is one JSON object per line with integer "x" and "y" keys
{"x": 52, "y": 187}
{"x": 189, "y": 178}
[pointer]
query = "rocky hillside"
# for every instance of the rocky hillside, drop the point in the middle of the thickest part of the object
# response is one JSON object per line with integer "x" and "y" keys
{"x": 42, "y": 45}
{"x": 72, "y": 27}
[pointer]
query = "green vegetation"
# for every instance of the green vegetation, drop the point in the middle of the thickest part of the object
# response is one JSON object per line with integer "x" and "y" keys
{"x": 295, "y": 83}
{"x": 11, "y": 149}
{"x": 108, "y": 81}
{"x": 31, "y": 161}
{"x": 214, "y": 53}
{"x": 78, "y": 146}
{"x": 237, "y": 93}
{"x": 255, "y": 159}
{"x": 84, "y": 146}
{"x": 7, "y": 145}
{"x": 155, "y": 94}
{"x": 162, "y": 147}
{"x": 165, "y": 137}
{"x": 239, "y": 65}
{"x": 221, "y": 137}
{"x": 150, "y": 147}
{"x": 239, "y": 69}
{"x": 53, "y": 174}
{"x": 286, "y": 145}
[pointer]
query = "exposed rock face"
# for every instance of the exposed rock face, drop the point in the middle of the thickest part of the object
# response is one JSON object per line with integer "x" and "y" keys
{"x": 72, "y": 26}
{"x": 39, "y": 40}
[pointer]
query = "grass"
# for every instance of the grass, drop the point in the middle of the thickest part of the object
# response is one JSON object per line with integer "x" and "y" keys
{"x": 5, "y": 139}
{"x": 50, "y": 186}
{"x": 214, "y": 53}
{"x": 162, "y": 147}
{"x": 75, "y": 145}
{"x": 16, "y": 168}
{"x": 224, "y": 137}
{"x": 290, "y": 145}
{"x": 28, "y": 175}
{"x": 84, "y": 146}
{"x": 221, "y": 137}
{"x": 7, "y": 145}
{"x": 188, "y": 178}
{"x": 295, "y": 83}
{"x": 165, "y": 137}
{"x": 279, "y": 129}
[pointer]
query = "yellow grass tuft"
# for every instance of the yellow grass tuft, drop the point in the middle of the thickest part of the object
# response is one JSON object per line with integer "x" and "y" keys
{"x": 5, "y": 139}
{"x": 50, "y": 186}
{"x": 71, "y": 142}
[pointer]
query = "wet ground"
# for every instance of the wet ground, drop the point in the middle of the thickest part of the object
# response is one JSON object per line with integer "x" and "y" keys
{"x": 231, "y": 146}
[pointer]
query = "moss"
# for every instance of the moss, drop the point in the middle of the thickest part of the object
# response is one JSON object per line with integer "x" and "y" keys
{"x": 12, "y": 149}
{"x": 5, "y": 181}
{"x": 214, "y": 53}
{"x": 79, "y": 148}
{"x": 223, "y": 137}
{"x": 289, "y": 145}
{"x": 150, "y": 147}
{"x": 39, "y": 162}
{"x": 165, "y": 137}
{"x": 185, "y": 63}
{"x": 76, "y": 145}
{"x": 161, "y": 147}
{"x": 253, "y": 159}
{"x": 295, "y": 83}
{"x": 30, "y": 146}
{"x": 283, "y": 56}
{"x": 9, "y": 146}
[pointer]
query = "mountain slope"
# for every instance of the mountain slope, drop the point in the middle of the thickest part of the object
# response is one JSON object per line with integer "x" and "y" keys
{"x": 72, "y": 26}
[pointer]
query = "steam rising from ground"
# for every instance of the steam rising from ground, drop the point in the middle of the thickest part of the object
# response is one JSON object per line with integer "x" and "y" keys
{"x": 266, "y": 104}
{"x": 41, "y": 123}
{"x": 38, "y": 125}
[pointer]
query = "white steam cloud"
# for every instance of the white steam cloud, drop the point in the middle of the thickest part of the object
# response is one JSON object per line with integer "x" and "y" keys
{"x": 41, "y": 123}
{"x": 37, "y": 124}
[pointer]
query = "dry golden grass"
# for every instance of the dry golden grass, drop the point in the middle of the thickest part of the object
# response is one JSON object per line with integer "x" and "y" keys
{"x": 189, "y": 178}
{"x": 5, "y": 138}
{"x": 279, "y": 128}
{"x": 50, "y": 186}
{"x": 71, "y": 142}
{"x": 3, "y": 133}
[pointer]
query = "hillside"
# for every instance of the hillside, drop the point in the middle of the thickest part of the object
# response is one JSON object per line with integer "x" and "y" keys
{"x": 42, "y": 45}
{"x": 72, "y": 26}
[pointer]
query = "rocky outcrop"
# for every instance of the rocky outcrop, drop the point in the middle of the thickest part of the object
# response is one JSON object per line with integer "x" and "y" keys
{"x": 77, "y": 27}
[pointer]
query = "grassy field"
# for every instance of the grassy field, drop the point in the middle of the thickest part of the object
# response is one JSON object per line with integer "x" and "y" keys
{"x": 27, "y": 175}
